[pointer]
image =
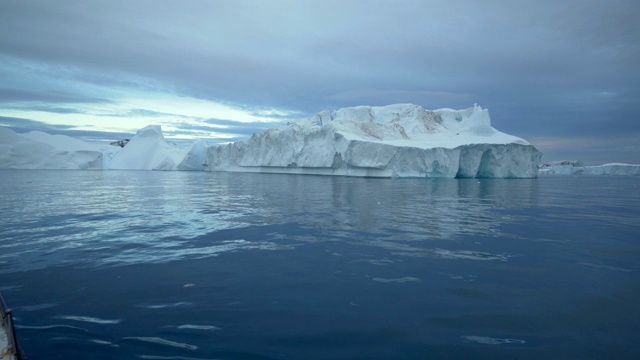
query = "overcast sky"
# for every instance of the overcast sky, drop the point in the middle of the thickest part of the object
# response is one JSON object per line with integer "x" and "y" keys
{"x": 565, "y": 75}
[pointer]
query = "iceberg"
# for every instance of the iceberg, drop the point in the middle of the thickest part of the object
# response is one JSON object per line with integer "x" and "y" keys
{"x": 576, "y": 167}
{"x": 402, "y": 140}
{"x": 38, "y": 150}
{"x": 194, "y": 159}
{"x": 147, "y": 150}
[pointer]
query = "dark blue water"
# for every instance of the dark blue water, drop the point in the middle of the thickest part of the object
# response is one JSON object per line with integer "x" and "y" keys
{"x": 192, "y": 265}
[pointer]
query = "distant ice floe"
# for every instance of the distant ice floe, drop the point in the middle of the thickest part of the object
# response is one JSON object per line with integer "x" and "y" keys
{"x": 491, "y": 341}
{"x": 162, "y": 341}
{"x": 576, "y": 167}
{"x": 89, "y": 319}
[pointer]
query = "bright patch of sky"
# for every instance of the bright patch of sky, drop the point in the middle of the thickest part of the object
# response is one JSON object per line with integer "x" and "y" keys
{"x": 117, "y": 103}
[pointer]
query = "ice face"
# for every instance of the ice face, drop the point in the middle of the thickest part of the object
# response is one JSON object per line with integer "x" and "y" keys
{"x": 401, "y": 140}
{"x": 148, "y": 150}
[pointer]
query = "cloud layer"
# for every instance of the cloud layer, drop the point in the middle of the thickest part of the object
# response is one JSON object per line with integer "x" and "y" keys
{"x": 546, "y": 70}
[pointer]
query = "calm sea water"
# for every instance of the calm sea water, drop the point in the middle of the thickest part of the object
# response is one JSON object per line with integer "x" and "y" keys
{"x": 193, "y": 265}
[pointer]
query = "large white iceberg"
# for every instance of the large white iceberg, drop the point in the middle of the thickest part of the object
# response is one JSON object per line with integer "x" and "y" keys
{"x": 148, "y": 150}
{"x": 38, "y": 150}
{"x": 402, "y": 140}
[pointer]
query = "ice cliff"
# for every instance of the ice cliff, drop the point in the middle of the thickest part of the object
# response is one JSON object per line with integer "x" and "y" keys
{"x": 392, "y": 141}
{"x": 400, "y": 140}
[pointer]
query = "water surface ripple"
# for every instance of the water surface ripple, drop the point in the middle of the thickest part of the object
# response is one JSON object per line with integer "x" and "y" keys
{"x": 198, "y": 265}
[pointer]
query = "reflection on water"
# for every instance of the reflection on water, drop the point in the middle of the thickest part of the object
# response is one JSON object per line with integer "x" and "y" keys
{"x": 239, "y": 266}
{"x": 48, "y": 216}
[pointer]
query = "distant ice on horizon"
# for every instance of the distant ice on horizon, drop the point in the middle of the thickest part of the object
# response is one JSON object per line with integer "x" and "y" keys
{"x": 576, "y": 167}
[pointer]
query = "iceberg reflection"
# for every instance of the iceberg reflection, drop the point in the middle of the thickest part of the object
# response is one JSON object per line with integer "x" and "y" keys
{"x": 123, "y": 217}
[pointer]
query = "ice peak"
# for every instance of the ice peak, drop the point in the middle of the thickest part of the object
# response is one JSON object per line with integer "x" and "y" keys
{"x": 150, "y": 131}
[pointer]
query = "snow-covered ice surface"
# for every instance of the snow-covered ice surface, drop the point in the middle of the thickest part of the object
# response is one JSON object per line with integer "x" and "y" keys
{"x": 148, "y": 150}
{"x": 401, "y": 140}
{"x": 576, "y": 168}
{"x": 38, "y": 150}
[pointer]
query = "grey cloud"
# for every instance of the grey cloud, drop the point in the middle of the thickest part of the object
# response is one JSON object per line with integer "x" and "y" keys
{"x": 537, "y": 65}
{"x": 50, "y": 109}
{"x": 241, "y": 128}
{"x": 21, "y": 125}
{"x": 8, "y": 95}
{"x": 24, "y": 125}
